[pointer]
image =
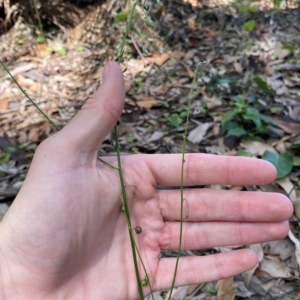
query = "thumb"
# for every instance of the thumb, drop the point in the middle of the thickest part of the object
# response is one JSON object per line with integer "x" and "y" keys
{"x": 87, "y": 130}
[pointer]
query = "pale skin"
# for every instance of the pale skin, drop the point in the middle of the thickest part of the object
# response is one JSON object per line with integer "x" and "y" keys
{"x": 65, "y": 236}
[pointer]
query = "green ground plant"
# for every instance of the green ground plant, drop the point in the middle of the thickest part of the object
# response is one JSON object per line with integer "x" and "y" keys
{"x": 244, "y": 119}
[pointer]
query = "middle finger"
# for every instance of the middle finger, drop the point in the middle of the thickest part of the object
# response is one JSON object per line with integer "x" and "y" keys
{"x": 216, "y": 205}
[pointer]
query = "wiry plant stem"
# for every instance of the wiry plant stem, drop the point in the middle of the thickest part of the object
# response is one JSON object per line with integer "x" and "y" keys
{"x": 33, "y": 103}
{"x": 190, "y": 98}
{"x": 39, "y": 20}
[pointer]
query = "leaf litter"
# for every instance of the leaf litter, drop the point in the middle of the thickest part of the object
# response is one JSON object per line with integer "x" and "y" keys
{"x": 256, "y": 61}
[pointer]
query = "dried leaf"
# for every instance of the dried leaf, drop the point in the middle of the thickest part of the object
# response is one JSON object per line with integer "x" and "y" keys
{"x": 257, "y": 148}
{"x": 197, "y": 134}
{"x": 280, "y": 52}
{"x": 159, "y": 59}
{"x": 238, "y": 67}
{"x": 289, "y": 127}
{"x": 288, "y": 186}
{"x": 297, "y": 246}
{"x": 191, "y": 21}
{"x": 226, "y": 289}
{"x": 275, "y": 267}
{"x": 148, "y": 102}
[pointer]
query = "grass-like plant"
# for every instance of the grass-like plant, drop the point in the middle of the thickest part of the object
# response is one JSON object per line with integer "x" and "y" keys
{"x": 41, "y": 38}
{"x": 135, "y": 251}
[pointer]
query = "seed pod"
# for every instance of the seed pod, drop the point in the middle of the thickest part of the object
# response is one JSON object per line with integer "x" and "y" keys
{"x": 145, "y": 281}
{"x": 138, "y": 230}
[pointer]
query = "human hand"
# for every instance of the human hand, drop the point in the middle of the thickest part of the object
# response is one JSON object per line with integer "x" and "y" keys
{"x": 66, "y": 237}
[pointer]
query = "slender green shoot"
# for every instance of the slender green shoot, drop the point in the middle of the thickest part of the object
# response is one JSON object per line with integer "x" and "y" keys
{"x": 124, "y": 196}
{"x": 42, "y": 35}
{"x": 127, "y": 215}
{"x": 55, "y": 126}
{"x": 147, "y": 278}
{"x": 294, "y": 186}
{"x": 34, "y": 104}
{"x": 190, "y": 98}
{"x": 128, "y": 26}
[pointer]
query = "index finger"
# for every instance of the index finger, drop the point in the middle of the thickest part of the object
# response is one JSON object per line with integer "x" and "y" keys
{"x": 202, "y": 169}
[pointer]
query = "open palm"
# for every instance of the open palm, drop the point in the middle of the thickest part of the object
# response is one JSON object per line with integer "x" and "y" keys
{"x": 66, "y": 237}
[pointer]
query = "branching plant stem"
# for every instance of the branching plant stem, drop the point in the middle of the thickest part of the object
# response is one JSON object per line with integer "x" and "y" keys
{"x": 190, "y": 98}
{"x": 134, "y": 247}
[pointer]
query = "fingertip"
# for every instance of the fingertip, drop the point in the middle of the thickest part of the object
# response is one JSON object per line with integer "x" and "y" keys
{"x": 271, "y": 169}
{"x": 286, "y": 207}
{"x": 250, "y": 258}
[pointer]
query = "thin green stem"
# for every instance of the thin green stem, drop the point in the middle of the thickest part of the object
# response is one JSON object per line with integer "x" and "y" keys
{"x": 145, "y": 270}
{"x": 127, "y": 215}
{"x": 56, "y": 127}
{"x": 128, "y": 26}
{"x": 39, "y": 20}
{"x": 24, "y": 92}
{"x": 190, "y": 98}
{"x": 293, "y": 187}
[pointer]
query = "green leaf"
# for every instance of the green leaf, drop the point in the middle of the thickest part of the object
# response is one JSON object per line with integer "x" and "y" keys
{"x": 226, "y": 80}
{"x": 20, "y": 41}
{"x": 277, "y": 3}
{"x": 62, "y": 52}
{"x": 229, "y": 115}
{"x": 40, "y": 40}
{"x": 291, "y": 48}
{"x": 296, "y": 161}
{"x": 282, "y": 162}
{"x": 80, "y": 48}
{"x": 175, "y": 121}
{"x": 243, "y": 153}
{"x": 246, "y": 8}
{"x": 4, "y": 158}
{"x": 249, "y": 26}
{"x": 267, "y": 120}
{"x": 121, "y": 17}
{"x": 149, "y": 21}
{"x": 261, "y": 84}
{"x": 253, "y": 115}
{"x": 238, "y": 131}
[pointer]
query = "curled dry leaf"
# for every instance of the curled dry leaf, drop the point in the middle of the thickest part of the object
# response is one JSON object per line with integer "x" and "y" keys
{"x": 296, "y": 203}
{"x": 257, "y": 148}
{"x": 297, "y": 246}
{"x": 275, "y": 267}
{"x": 197, "y": 134}
{"x": 288, "y": 187}
{"x": 226, "y": 289}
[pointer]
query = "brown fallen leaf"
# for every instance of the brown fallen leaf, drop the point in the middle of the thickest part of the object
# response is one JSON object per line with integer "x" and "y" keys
{"x": 197, "y": 134}
{"x": 211, "y": 33}
{"x": 159, "y": 59}
{"x": 280, "y": 52}
{"x": 275, "y": 267}
{"x": 297, "y": 246}
{"x": 257, "y": 148}
{"x": 289, "y": 127}
{"x": 191, "y": 21}
{"x": 147, "y": 101}
{"x": 226, "y": 289}
{"x": 238, "y": 67}
{"x": 190, "y": 54}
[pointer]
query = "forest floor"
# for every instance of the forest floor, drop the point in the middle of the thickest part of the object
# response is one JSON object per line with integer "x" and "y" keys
{"x": 247, "y": 103}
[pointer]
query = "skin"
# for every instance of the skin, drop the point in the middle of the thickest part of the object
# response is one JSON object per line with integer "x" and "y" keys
{"x": 65, "y": 236}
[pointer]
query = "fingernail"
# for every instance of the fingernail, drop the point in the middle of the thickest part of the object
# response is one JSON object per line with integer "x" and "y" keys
{"x": 105, "y": 72}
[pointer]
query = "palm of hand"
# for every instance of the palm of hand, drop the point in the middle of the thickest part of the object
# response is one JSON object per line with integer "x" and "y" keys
{"x": 65, "y": 236}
